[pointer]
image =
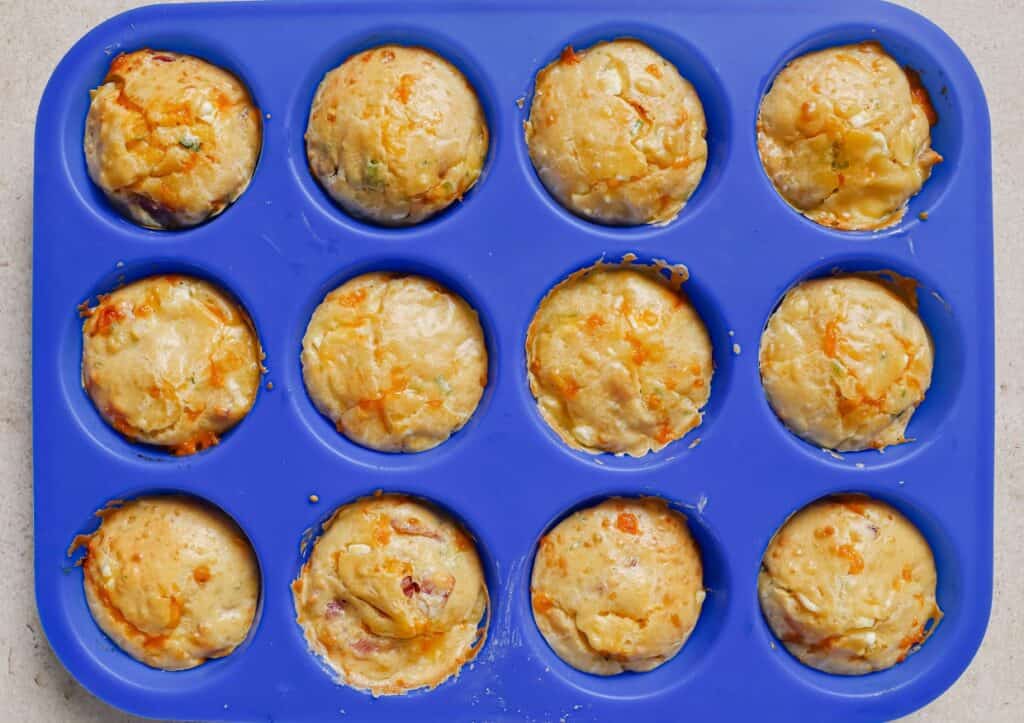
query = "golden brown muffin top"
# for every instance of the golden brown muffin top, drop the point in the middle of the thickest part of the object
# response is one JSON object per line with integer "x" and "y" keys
{"x": 848, "y": 585}
{"x": 618, "y": 586}
{"x": 844, "y": 134}
{"x": 393, "y": 595}
{"x": 171, "y": 361}
{"x": 616, "y": 134}
{"x": 618, "y": 360}
{"x": 171, "y": 139}
{"x": 396, "y": 134}
{"x": 172, "y": 580}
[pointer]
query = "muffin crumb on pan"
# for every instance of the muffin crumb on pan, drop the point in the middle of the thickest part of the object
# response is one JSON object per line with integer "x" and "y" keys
{"x": 171, "y": 139}
{"x": 396, "y": 134}
{"x": 170, "y": 361}
{"x": 171, "y": 580}
{"x": 845, "y": 360}
{"x": 618, "y": 360}
{"x": 844, "y": 134}
{"x": 616, "y": 134}
{"x": 848, "y": 585}
{"x": 618, "y": 586}
{"x": 397, "y": 362}
{"x": 393, "y": 595}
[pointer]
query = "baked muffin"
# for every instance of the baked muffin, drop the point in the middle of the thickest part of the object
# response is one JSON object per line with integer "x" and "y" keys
{"x": 848, "y": 586}
{"x": 171, "y": 580}
{"x": 618, "y": 586}
{"x": 170, "y": 361}
{"x": 393, "y": 596}
{"x": 396, "y": 134}
{"x": 844, "y": 135}
{"x": 845, "y": 361}
{"x": 171, "y": 139}
{"x": 616, "y": 134}
{"x": 397, "y": 362}
{"x": 618, "y": 361}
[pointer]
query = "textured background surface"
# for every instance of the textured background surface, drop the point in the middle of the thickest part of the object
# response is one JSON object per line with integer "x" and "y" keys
{"x": 35, "y": 34}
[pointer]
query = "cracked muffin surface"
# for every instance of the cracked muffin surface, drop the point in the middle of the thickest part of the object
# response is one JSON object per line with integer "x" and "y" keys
{"x": 845, "y": 361}
{"x": 171, "y": 580}
{"x": 618, "y": 586}
{"x": 170, "y": 361}
{"x": 844, "y": 134}
{"x": 848, "y": 585}
{"x": 616, "y": 134}
{"x": 393, "y": 595}
{"x": 619, "y": 361}
{"x": 397, "y": 362}
{"x": 396, "y": 134}
{"x": 171, "y": 139}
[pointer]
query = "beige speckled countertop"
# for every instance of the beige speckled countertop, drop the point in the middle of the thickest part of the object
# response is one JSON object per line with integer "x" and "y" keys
{"x": 36, "y": 33}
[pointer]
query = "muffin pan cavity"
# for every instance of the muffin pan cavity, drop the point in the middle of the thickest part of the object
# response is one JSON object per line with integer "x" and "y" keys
{"x": 205, "y": 46}
{"x": 77, "y": 399}
{"x": 706, "y": 303}
{"x": 927, "y": 660}
{"x": 694, "y": 66}
{"x": 324, "y": 429}
{"x": 93, "y": 645}
{"x": 328, "y": 505}
{"x": 437, "y": 41}
{"x": 283, "y": 470}
{"x": 914, "y": 52}
{"x": 699, "y": 648}
{"x": 941, "y": 321}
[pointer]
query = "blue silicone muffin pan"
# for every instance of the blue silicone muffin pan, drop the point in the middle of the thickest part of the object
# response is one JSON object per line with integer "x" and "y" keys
{"x": 506, "y": 476}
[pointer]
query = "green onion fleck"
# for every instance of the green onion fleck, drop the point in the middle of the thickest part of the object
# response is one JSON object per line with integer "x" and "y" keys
{"x": 373, "y": 175}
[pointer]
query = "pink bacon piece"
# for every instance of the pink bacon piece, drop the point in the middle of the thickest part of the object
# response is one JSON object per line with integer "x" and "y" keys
{"x": 334, "y": 608}
{"x": 409, "y": 586}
